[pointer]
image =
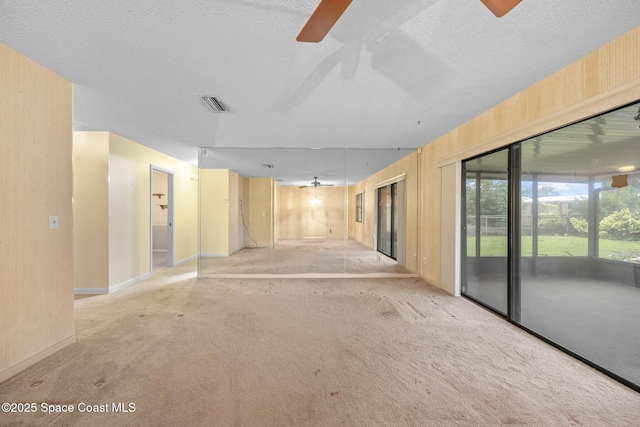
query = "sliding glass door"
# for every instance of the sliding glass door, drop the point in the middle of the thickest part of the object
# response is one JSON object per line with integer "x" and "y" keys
{"x": 485, "y": 230}
{"x": 551, "y": 238}
{"x": 388, "y": 220}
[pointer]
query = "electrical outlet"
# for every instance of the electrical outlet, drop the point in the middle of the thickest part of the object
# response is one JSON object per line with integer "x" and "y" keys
{"x": 53, "y": 222}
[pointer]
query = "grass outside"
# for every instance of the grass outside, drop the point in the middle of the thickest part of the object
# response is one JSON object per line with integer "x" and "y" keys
{"x": 621, "y": 250}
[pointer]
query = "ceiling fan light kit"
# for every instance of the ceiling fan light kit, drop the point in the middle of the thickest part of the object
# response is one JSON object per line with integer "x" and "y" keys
{"x": 316, "y": 183}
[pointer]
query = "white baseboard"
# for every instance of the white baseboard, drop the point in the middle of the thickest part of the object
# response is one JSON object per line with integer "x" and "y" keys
{"x": 90, "y": 291}
{"x": 21, "y": 366}
{"x": 308, "y": 276}
{"x": 185, "y": 260}
{"x": 159, "y": 250}
{"x": 119, "y": 286}
{"x": 214, "y": 255}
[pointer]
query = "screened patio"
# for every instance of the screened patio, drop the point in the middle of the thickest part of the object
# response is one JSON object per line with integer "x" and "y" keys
{"x": 551, "y": 238}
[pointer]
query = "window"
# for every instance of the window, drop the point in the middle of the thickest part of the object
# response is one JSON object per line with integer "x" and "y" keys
{"x": 359, "y": 217}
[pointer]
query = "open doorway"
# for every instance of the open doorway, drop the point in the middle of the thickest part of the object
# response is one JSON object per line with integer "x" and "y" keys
{"x": 162, "y": 213}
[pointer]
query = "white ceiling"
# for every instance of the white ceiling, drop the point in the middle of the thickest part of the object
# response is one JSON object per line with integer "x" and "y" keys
{"x": 390, "y": 73}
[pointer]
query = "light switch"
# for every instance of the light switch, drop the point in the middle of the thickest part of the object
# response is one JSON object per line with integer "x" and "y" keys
{"x": 53, "y": 222}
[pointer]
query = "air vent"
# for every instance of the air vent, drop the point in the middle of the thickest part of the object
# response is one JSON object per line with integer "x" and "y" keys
{"x": 213, "y": 104}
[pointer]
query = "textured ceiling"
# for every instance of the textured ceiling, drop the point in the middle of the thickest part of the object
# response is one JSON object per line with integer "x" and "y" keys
{"x": 388, "y": 75}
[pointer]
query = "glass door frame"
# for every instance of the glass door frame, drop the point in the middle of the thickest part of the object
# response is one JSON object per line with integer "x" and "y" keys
{"x": 514, "y": 240}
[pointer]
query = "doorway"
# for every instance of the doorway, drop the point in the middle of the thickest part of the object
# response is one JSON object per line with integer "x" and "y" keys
{"x": 162, "y": 218}
{"x": 390, "y": 227}
{"x": 388, "y": 220}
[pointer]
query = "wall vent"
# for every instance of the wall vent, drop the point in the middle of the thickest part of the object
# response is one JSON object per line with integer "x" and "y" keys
{"x": 213, "y": 104}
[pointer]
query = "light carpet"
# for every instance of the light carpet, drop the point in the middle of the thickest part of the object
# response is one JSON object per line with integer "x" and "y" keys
{"x": 292, "y": 352}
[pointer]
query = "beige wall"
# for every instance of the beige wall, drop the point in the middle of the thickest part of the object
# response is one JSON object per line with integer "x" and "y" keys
{"x": 364, "y": 232}
{"x": 36, "y": 263}
{"x": 129, "y": 209}
{"x": 235, "y": 212}
{"x": 120, "y": 216}
{"x": 607, "y": 78}
{"x": 236, "y": 228}
{"x": 90, "y": 211}
{"x": 298, "y": 217}
{"x": 258, "y": 211}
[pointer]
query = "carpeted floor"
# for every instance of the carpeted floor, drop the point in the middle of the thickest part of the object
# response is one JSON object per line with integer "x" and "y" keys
{"x": 596, "y": 319}
{"x": 300, "y": 256}
{"x": 293, "y": 352}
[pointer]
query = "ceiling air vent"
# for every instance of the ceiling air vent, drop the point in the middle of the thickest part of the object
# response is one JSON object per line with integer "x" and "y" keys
{"x": 213, "y": 104}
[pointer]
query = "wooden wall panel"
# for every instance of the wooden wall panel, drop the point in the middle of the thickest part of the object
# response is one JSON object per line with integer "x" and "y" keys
{"x": 606, "y": 78}
{"x": 364, "y": 232}
{"x": 449, "y": 220}
{"x": 214, "y": 212}
{"x": 299, "y": 218}
{"x": 258, "y": 211}
{"x": 36, "y": 264}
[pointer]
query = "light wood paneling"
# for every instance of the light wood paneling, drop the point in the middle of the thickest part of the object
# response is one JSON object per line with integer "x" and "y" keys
{"x": 364, "y": 232}
{"x": 299, "y": 217}
{"x": 36, "y": 264}
{"x": 607, "y": 78}
{"x": 214, "y": 212}
{"x": 258, "y": 211}
{"x": 449, "y": 220}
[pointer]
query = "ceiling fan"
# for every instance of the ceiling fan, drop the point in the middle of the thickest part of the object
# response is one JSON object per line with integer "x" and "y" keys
{"x": 316, "y": 183}
{"x": 329, "y": 11}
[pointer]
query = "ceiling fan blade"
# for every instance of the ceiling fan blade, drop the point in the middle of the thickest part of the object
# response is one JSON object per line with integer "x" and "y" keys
{"x": 322, "y": 19}
{"x": 500, "y": 7}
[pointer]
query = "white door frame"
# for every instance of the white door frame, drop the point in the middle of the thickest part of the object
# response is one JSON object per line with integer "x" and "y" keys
{"x": 170, "y": 216}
